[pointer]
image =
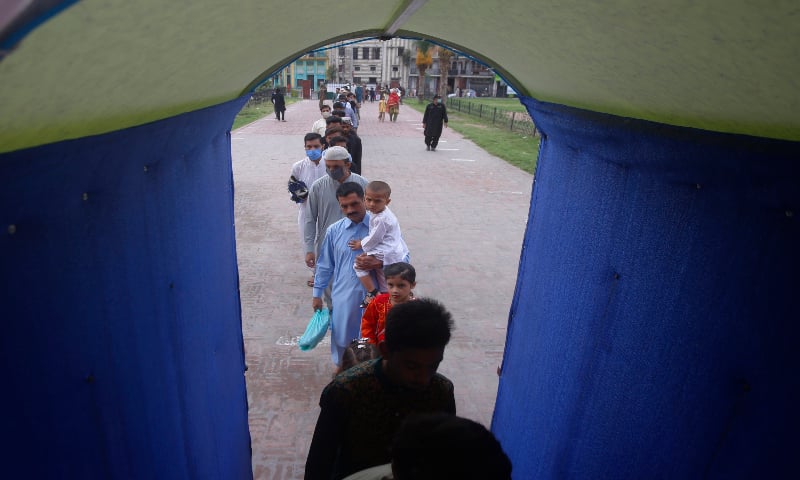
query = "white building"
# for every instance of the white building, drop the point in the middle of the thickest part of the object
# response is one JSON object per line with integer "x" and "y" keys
{"x": 391, "y": 63}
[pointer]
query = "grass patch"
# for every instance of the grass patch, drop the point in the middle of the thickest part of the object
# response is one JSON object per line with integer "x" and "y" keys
{"x": 519, "y": 150}
{"x": 253, "y": 111}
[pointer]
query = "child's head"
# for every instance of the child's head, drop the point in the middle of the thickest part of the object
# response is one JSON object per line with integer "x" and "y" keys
{"x": 359, "y": 350}
{"x": 401, "y": 278}
{"x": 377, "y": 196}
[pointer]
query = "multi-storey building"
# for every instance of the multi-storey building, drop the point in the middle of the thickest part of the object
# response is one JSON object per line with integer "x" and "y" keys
{"x": 390, "y": 63}
{"x": 305, "y": 73}
{"x": 373, "y": 62}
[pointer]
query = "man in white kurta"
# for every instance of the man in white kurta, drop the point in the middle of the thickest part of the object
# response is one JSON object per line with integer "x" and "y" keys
{"x": 308, "y": 170}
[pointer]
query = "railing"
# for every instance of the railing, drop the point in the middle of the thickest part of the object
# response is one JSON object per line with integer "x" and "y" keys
{"x": 514, "y": 121}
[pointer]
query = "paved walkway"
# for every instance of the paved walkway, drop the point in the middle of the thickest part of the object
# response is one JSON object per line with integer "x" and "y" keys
{"x": 463, "y": 215}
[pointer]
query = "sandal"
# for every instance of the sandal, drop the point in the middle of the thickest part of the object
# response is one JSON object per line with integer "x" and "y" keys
{"x": 369, "y": 298}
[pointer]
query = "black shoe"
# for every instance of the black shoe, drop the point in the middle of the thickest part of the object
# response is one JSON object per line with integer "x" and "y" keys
{"x": 433, "y": 149}
{"x": 428, "y": 148}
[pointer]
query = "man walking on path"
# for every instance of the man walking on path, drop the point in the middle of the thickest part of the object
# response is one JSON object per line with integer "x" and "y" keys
{"x": 432, "y": 121}
{"x": 280, "y": 104}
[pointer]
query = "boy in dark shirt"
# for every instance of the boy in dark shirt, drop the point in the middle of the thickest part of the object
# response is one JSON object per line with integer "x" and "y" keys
{"x": 364, "y": 406}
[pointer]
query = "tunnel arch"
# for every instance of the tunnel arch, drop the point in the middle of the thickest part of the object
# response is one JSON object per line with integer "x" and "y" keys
{"x": 656, "y": 336}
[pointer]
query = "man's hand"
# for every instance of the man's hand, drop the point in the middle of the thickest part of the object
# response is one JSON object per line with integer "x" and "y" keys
{"x": 354, "y": 244}
{"x": 368, "y": 262}
{"x": 316, "y": 303}
{"x": 310, "y": 259}
{"x": 445, "y": 124}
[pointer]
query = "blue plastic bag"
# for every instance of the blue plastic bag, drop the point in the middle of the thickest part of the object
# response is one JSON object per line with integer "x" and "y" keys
{"x": 316, "y": 329}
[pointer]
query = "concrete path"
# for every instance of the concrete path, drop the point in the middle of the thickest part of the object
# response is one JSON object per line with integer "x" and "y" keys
{"x": 463, "y": 214}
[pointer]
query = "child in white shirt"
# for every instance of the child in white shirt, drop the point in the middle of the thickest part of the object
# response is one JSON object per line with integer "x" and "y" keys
{"x": 384, "y": 240}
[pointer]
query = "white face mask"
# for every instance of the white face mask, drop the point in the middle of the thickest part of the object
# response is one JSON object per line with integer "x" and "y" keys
{"x": 326, "y": 114}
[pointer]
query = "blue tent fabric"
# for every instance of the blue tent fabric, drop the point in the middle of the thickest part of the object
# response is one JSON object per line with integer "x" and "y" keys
{"x": 121, "y": 306}
{"x": 653, "y": 329}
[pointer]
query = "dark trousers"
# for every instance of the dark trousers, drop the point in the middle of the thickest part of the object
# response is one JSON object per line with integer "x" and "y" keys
{"x": 431, "y": 140}
{"x": 279, "y": 114}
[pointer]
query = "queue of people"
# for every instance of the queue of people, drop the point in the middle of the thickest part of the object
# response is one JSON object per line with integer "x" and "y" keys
{"x": 386, "y": 344}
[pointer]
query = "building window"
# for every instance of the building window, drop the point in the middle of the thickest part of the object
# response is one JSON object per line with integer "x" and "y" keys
{"x": 394, "y": 69}
{"x": 357, "y": 68}
{"x": 356, "y": 79}
{"x": 373, "y": 79}
{"x": 365, "y": 53}
{"x": 341, "y": 51}
{"x": 400, "y": 50}
{"x": 355, "y": 53}
{"x": 341, "y": 68}
{"x": 376, "y": 53}
{"x": 372, "y": 68}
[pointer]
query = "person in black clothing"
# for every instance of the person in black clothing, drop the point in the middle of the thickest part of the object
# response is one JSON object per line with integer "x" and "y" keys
{"x": 280, "y": 104}
{"x": 363, "y": 407}
{"x": 433, "y": 120}
{"x": 353, "y": 145}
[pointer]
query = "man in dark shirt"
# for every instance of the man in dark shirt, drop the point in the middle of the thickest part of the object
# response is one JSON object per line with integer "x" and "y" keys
{"x": 433, "y": 119}
{"x": 353, "y": 145}
{"x": 364, "y": 406}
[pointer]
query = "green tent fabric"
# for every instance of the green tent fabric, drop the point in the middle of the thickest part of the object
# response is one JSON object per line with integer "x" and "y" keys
{"x": 98, "y": 66}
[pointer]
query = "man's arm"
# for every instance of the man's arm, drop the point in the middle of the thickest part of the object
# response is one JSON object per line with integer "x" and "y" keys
{"x": 368, "y": 262}
{"x": 310, "y": 228}
{"x": 324, "y": 269}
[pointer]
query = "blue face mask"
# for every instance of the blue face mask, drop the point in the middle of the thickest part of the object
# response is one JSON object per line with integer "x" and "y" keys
{"x": 314, "y": 154}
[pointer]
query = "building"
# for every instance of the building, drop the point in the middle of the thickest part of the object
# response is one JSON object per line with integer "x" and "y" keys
{"x": 391, "y": 63}
{"x": 373, "y": 62}
{"x": 304, "y": 74}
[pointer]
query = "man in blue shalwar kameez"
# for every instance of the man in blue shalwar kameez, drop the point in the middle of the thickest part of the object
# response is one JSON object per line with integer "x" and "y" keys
{"x": 335, "y": 267}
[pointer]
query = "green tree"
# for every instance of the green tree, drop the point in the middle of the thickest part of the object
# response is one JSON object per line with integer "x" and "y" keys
{"x": 424, "y": 60}
{"x": 445, "y": 56}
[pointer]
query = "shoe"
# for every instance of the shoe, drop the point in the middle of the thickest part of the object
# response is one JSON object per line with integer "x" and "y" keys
{"x": 433, "y": 149}
{"x": 428, "y": 148}
{"x": 283, "y": 120}
{"x": 368, "y": 298}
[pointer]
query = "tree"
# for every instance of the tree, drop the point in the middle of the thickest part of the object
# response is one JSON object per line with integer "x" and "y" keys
{"x": 424, "y": 60}
{"x": 445, "y": 55}
{"x": 330, "y": 73}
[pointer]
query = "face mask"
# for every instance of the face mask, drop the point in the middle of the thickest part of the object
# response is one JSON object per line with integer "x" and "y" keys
{"x": 336, "y": 173}
{"x": 326, "y": 114}
{"x": 314, "y": 154}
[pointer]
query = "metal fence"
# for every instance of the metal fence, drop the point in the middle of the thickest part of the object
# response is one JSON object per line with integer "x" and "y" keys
{"x": 514, "y": 121}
